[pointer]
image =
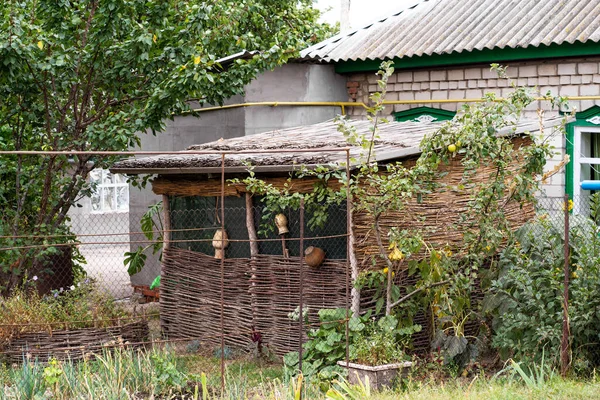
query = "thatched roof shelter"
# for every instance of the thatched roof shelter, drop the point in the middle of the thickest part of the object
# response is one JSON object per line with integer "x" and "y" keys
{"x": 263, "y": 276}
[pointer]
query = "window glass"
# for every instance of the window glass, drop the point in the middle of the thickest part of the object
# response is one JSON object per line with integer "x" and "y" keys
{"x": 111, "y": 193}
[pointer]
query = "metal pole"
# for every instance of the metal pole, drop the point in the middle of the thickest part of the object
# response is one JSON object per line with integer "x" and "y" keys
{"x": 301, "y": 273}
{"x": 348, "y": 250}
{"x": 564, "y": 346}
{"x": 223, "y": 274}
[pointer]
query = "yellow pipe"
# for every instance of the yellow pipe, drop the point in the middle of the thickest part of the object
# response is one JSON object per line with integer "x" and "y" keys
{"x": 344, "y": 104}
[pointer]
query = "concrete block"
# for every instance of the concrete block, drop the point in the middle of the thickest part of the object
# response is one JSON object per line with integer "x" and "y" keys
{"x": 543, "y": 80}
{"x": 425, "y": 85}
{"x": 576, "y": 80}
{"x": 473, "y": 73}
{"x": 439, "y": 95}
{"x": 453, "y": 85}
{"x": 585, "y": 79}
{"x": 492, "y": 82}
{"x": 456, "y": 94}
{"x": 546, "y": 69}
{"x": 421, "y": 76}
{"x": 423, "y": 95}
{"x": 461, "y": 84}
{"x": 474, "y": 94}
{"x": 527, "y": 71}
{"x": 512, "y": 72}
{"x": 482, "y": 83}
{"x": 554, "y": 80}
{"x": 404, "y": 77}
{"x": 392, "y": 96}
{"x": 416, "y": 87}
{"x": 472, "y": 83}
{"x": 587, "y": 68}
{"x": 532, "y": 82}
{"x": 444, "y": 85}
{"x": 589, "y": 90}
{"x": 596, "y": 78}
{"x": 567, "y": 69}
{"x": 438, "y": 75}
{"x": 487, "y": 73}
{"x": 406, "y": 95}
{"x": 434, "y": 85}
{"x": 456, "y": 75}
{"x": 406, "y": 86}
{"x": 565, "y": 79}
{"x": 569, "y": 90}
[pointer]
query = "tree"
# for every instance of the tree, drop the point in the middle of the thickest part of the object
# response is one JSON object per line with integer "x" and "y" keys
{"x": 88, "y": 75}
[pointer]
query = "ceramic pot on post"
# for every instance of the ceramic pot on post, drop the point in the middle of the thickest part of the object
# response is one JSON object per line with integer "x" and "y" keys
{"x": 314, "y": 256}
{"x": 220, "y": 243}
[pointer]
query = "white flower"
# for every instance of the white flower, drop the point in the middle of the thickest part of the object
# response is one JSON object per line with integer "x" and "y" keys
{"x": 35, "y": 278}
{"x": 72, "y": 287}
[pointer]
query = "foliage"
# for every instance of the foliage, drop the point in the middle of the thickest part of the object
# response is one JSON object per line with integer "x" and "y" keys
{"x": 343, "y": 390}
{"x": 152, "y": 228}
{"x": 526, "y": 296}
{"x": 326, "y": 345}
{"x": 79, "y": 306}
{"x": 89, "y": 76}
{"x": 382, "y": 342}
{"x": 277, "y": 200}
{"x": 370, "y": 342}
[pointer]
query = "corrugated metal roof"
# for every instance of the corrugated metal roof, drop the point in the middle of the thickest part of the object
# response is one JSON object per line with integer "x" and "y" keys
{"x": 396, "y": 140}
{"x": 453, "y": 26}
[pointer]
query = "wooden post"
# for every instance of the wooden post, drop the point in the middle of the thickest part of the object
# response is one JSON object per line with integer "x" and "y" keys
{"x": 253, "y": 238}
{"x": 166, "y": 243}
{"x": 564, "y": 346}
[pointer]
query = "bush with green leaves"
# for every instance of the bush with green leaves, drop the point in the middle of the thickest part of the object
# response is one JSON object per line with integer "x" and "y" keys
{"x": 371, "y": 341}
{"x": 526, "y": 297}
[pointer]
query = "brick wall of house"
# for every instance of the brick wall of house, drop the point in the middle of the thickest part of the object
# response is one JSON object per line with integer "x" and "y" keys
{"x": 566, "y": 77}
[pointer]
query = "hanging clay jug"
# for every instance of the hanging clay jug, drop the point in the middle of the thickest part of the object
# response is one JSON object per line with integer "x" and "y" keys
{"x": 220, "y": 243}
{"x": 281, "y": 221}
{"x": 314, "y": 256}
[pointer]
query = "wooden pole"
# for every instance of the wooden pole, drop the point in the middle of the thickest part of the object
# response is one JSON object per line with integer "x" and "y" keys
{"x": 564, "y": 346}
{"x": 253, "y": 237}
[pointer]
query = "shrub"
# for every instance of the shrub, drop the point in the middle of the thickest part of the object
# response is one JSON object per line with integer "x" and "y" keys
{"x": 526, "y": 297}
{"x": 79, "y": 306}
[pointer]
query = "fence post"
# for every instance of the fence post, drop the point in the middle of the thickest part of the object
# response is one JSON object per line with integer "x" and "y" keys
{"x": 223, "y": 274}
{"x": 564, "y": 346}
{"x": 301, "y": 273}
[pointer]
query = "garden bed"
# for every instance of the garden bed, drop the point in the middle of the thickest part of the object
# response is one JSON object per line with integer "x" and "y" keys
{"x": 74, "y": 344}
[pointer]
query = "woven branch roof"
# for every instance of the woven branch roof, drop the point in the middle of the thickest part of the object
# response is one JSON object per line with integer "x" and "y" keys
{"x": 285, "y": 149}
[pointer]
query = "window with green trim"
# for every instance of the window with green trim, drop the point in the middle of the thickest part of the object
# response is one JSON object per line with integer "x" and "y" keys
{"x": 424, "y": 115}
{"x": 583, "y": 147}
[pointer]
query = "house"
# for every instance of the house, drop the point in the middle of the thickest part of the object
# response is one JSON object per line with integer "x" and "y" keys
{"x": 256, "y": 280}
{"x": 442, "y": 50}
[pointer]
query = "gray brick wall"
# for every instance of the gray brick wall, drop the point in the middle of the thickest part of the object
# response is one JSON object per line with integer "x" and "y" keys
{"x": 565, "y": 77}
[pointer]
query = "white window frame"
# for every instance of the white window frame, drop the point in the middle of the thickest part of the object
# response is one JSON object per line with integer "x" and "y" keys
{"x": 578, "y": 159}
{"x": 98, "y": 191}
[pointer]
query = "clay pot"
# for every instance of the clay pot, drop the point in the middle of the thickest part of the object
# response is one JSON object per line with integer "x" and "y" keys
{"x": 314, "y": 256}
{"x": 220, "y": 243}
{"x": 281, "y": 221}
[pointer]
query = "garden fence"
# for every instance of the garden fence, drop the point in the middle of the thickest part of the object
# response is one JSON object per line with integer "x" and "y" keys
{"x": 262, "y": 296}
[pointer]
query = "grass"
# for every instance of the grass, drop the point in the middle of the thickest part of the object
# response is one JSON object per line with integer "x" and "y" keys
{"x": 556, "y": 388}
{"x": 160, "y": 374}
